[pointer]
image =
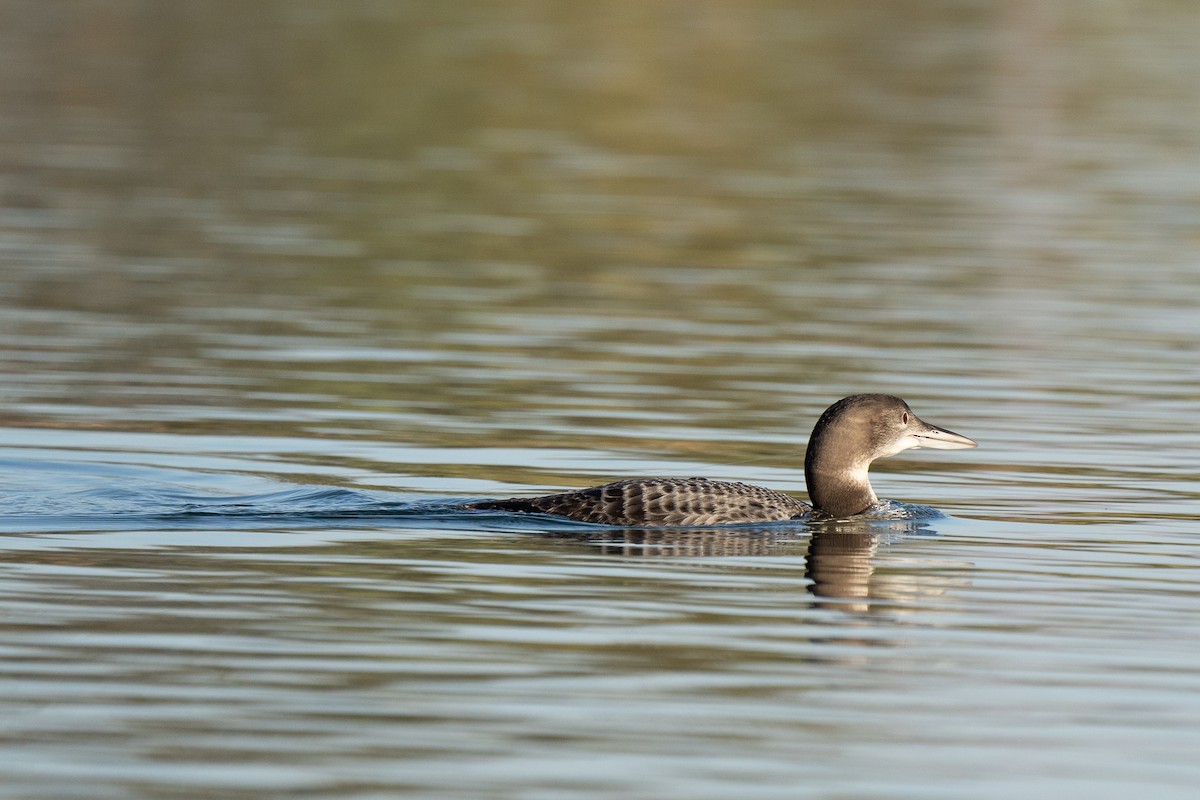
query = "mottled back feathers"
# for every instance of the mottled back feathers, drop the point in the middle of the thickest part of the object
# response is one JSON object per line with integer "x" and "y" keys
{"x": 662, "y": 501}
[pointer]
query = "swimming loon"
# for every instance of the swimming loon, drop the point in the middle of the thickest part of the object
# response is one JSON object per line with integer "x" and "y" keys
{"x": 851, "y": 434}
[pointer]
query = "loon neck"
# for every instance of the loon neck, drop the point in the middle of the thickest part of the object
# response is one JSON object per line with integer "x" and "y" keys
{"x": 839, "y": 491}
{"x": 835, "y": 467}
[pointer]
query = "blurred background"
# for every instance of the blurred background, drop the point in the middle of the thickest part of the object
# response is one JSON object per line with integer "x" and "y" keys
{"x": 263, "y": 261}
{"x": 440, "y": 221}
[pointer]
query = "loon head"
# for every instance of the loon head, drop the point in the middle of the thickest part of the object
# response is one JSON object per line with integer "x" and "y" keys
{"x": 851, "y": 434}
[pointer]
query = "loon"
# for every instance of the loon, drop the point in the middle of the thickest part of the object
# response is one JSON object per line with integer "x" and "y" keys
{"x": 851, "y": 434}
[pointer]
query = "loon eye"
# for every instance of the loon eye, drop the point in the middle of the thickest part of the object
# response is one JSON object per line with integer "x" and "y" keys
{"x": 904, "y": 419}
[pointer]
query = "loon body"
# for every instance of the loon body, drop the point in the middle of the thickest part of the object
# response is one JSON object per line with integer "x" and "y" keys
{"x": 663, "y": 501}
{"x": 851, "y": 434}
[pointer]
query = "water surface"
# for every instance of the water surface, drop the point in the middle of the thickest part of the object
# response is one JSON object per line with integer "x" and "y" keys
{"x": 282, "y": 284}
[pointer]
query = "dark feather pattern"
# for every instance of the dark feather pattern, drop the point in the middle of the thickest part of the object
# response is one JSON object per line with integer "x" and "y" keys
{"x": 662, "y": 501}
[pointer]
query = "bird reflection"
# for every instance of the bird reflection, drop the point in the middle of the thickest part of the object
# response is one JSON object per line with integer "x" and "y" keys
{"x": 841, "y": 564}
{"x": 692, "y": 542}
{"x": 840, "y": 557}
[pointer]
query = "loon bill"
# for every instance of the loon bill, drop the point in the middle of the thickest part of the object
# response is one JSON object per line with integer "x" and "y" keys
{"x": 851, "y": 434}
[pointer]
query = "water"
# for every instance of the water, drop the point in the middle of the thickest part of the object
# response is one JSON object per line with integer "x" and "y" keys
{"x": 281, "y": 284}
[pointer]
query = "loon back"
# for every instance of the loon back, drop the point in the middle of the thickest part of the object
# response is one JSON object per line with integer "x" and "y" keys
{"x": 662, "y": 501}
